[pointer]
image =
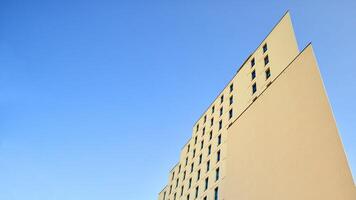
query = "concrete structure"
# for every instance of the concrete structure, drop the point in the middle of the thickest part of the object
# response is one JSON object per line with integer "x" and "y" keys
{"x": 270, "y": 134}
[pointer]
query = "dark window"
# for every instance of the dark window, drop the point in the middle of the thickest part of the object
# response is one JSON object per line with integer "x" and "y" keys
{"x": 231, "y": 87}
{"x": 218, "y": 156}
{"x": 230, "y": 113}
{"x": 264, "y": 48}
{"x": 174, "y": 197}
{"x": 186, "y": 161}
{"x": 213, "y": 109}
{"x": 216, "y": 193}
{"x": 204, "y": 118}
{"x": 184, "y": 173}
{"x": 170, "y": 189}
{"x": 177, "y": 181}
{"x": 222, "y": 98}
{"x": 253, "y": 62}
{"x": 196, "y": 191}
{"x": 205, "y": 198}
{"x": 201, "y": 144}
{"x": 210, "y": 135}
{"x": 231, "y": 99}
{"x": 188, "y": 197}
{"x": 206, "y": 183}
{"x": 197, "y": 129}
{"x": 195, "y": 139}
{"x": 212, "y": 121}
{"x": 217, "y": 174}
{"x": 190, "y": 183}
{"x": 268, "y": 73}
{"x": 208, "y": 165}
{"x": 198, "y": 175}
{"x": 266, "y": 60}
{"x": 209, "y": 150}
{"x": 220, "y": 124}
{"x": 253, "y": 74}
{"x": 200, "y": 158}
{"x": 203, "y": 130}
{"x": 192, "y": 168}
{"x": 193, "y": 153}
{"x": 219, "y": 139}
{"x": 179, "y": 169}
{"x": 181, "y": 191}
{"x": 254, "y": 88}
{"x": 221, "y": 111}
{"x": 188, "y": 149}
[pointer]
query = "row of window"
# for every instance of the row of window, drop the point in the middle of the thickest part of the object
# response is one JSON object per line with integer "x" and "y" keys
{"x": 267, "y": 71}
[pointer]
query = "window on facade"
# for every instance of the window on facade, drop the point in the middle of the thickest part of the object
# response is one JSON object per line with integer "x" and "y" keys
{"x": 174, "y": 197}
{"x": 188, "y": 148}
{"x": 204, "y": 118}
{"x": 197, "y": 129}
{"x": 198, "y": 175}
{"x": 196, "y": 192}
{"x": 194, "y": 153}
{"x": 191, "y": 167}
{"x": 206, "y": 183}
{"x": 221, "y": 111}
{"x": 170, "y": 189}
{"x": 230, "y": 113}
{"x": 190, "y": 183}
{"x": 253, "y": 74}
{"x": 217, "y": 174}
{"x": 218, "y": 156}
{"x": 216, "y": 193}
{"x": 177, "y": 182}
{"x": 231, "y": 99}
{"x": 195, "y": 139}
{"x": 179, "y": 168}
{"x": 213, "y": 109}
{"x": 200, "y": 158}
{"x": 188, "y": 197}
{"x": 264, "y": 48}
{"x": 212, "y": 121}
{"x": 184, "y": 173}
{"x": 208, "y": 165}
{"x": 266, "y": 59}
{"x": 172, "y": 175}
{"x": 253, "y": 62}
{"x": 268, "y": 73}
{"x": 220, "y": 124}
{"x": 203, "y": 131}
{"x": 205, "y": 198}
{"x": 231, "y": 87}
{"x": 210, "y": 135}
{"x": 209, "y": 150}
{"x": 186, "y": 161}
{"x": 254, "y": 88}
{"x": 219, "y": 139}
{"x": 222, "y": 98}
{"x": 201, "y": 144}
{"x": 181, "y": 191}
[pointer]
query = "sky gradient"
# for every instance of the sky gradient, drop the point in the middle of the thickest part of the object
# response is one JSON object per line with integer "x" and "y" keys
{"x": 98, "y": 97}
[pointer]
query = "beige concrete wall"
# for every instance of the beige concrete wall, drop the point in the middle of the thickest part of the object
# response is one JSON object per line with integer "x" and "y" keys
{"x": 286, "y": 144}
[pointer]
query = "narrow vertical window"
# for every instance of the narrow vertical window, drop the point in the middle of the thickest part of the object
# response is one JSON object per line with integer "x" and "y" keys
{"x": 188, "y": 148}
{"x": 204, "y": 118}
{"x": 188, "y": 197}
{"x": 197, "y": 129}
{"x": 222, "y": 98}
{"x": 254, "y": 88}
{"x": 200, "y": 158}
{"x": 265, "y": 48}
{"x": 198, "y": 175}
{"x": 170, "y": 189}
{"x": 216, "y": 193}
{"x": 217, "y": 174}
{"x": 230, "y": 113}
{"x": 202, "y": 144}
{"x": 206, "y": 183}
{"x": 253, "y": 74}
{"x": 177, "y": 182}
{"x": 266, "y": 59}
{"x": 210, "y": 135}
{"x": 231, "y": 99}
{"x": 193, "y": 153}
{"x": 186, "y": 161}
{"x": 213, "y": 109}
{"x": 253, "y": 62}
{"x": 231, "y": 87}
{"x": 172, "y": 175}
{"x": 195, "y": 139}
{"x": 218, "y": 156}
{"x": 268, "y": 73}
{"x": 219, "y": 139}
{"x": 190, "y": 183}
{"x": 209, "y": 150}
{"x": 205, "y": 198}
{"x": 196, "y": 192}
{"x": 174, "y": 197}
{"x": 208, "y": 165}
{"x": 181, "y": 191}
{"x": 203, "y": 131}
{"x": 221, "y": 111}
{"x": 220, "y": 124}
{"x": 179, "y": 168}
{"x": 191, "y": 167}
{"x": 212, "y": 121}
{"x": 184, "y": 173}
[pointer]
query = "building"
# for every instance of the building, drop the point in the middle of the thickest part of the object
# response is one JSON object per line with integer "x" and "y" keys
{"x": 270, "y": 134}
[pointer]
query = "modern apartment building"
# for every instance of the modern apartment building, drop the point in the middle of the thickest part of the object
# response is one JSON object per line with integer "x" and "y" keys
{"x": 270, "y": 134}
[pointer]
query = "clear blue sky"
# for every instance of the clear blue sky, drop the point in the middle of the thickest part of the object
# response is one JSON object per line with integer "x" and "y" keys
{"x": 98, "y": 97}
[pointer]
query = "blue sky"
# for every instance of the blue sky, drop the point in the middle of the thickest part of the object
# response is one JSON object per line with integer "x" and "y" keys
{"x": 98, "y": 97}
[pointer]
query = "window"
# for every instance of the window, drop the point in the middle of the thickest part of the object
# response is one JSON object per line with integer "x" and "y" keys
{"x": 212, "y": 121}
{"x": 220, "y": 124}
{"x": 253, "y": 62}
{"x": 205, "y": 198}
{"x": 231, "y": 87}
{"x": 219, "y": 139}
{"x": 198, "y": 175}
{"x": 217, "y": 174}
{"x": 200, "y": 158}
{"x": 197, "y": 129}
{"x": 186, "y": 161}
{"x": 210, "y": 135}
{"x": 195, "y": 139}
{"x": 188, "y": 149}
{"x": 230, "y": 113}
{"x": 172, "y": 175}
{"x": 254, "y": 88}
{"x": 221, "y": 111}
{"x": 179, "y": 168}
{"x": 209, "y": 150}
{"x": 190, "y": 183}
{"x": 188, "y": 197}
{"x": 253, "y": 74}
{"x": 170, "y": 189}
{"x": 213, "y": 109}
{"x": 191, "y": 167}
{"x": 268, "y": 73}
{"x": 193, "y": 153}
{"x": 204, "y": 118}
{"x": 174, "y": 197}
{"x": 196, "y": 191}
{"x": 231, "y": 99}
{"x": 177, "y": 182}
{"x": 181, "y": 191}
{"x": 203, "y": 131}
{"x": 206, "y": 183}
{"x": 264, "y": 48}
{"x": 184, "y": 173}
{"x": 216, "y": 193}
{"x": 222, "y": 98}
{"x": 266, "y": 60}
{"x": 201, "y": 144}
{"x": 208, "y": 165}
{"x": 218, "y": 156}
